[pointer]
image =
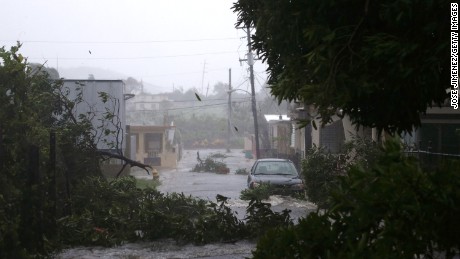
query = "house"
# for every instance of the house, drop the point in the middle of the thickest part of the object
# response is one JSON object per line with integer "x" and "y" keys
{"x": 280, "y": 133}
{"x": 158, "y": 146}
{"x": 154, "y": 138}
{"x": 331, "y": 136}
{"x": 439, "y": 131}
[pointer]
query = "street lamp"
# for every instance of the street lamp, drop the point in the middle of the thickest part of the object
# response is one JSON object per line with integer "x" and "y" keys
{"x": 238, "y": 89}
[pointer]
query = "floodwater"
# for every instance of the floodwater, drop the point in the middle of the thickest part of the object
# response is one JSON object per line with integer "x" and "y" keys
{"x": 208, "y": 185}
{"x": 205, "y": 186}
{"x": 162, "y": 249}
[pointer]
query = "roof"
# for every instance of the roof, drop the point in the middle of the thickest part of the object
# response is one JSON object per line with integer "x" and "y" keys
{"x": 277, "y": 118}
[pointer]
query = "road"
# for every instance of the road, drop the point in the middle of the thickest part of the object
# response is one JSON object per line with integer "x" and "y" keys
{"x": 208, "y": 185}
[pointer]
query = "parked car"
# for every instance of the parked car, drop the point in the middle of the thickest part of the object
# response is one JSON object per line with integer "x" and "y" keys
{"x": 280, "y": 173}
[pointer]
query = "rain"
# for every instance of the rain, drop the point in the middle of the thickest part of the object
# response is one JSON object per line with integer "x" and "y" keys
{"x": 229, "y": 129}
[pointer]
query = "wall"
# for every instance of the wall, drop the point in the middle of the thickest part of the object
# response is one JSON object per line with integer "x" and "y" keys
{"x": 92, "y": 102}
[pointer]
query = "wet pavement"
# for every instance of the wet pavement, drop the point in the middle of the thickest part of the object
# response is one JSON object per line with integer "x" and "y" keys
{"x": 162, "y": 249}
{"x": 208, "y": 185}
{"x": 203, "y": 185}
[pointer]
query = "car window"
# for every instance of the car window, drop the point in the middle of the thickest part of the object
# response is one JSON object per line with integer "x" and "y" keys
{"x": 275, "y": 168}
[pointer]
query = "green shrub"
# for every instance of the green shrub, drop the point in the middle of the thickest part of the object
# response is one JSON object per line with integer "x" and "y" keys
{"x": 211, "y": 165}
{"x": 260, "y": 218}
{"x": 103, "y": 212}
{"x": 321, "y": 168}
{"x": 109, "y": 213}
{"x": 112, "y": 212}
{"x": 261, "y": 192}
{"x": 320, "y": 173}
{"x": 147, "y": 183}
{"x": 218, "y": 225}
{"x": 392, "y": 210}
{"x": 242, "y": 171}
{"x": 217, "y": 155}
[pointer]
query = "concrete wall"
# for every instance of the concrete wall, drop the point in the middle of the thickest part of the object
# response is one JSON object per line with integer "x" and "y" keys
{"x": 90, "y": 90}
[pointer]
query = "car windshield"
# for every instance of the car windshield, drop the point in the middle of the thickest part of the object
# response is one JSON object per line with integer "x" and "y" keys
{"x": 275, "y": 168}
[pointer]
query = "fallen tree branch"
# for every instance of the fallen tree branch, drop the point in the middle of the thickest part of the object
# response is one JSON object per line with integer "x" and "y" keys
{"x": 127, "y": 161}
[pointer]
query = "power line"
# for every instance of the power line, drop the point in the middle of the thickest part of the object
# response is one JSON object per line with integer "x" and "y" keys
{"x": 134, "y": 58}
{"x": 189, "y": 107}
{"x": 205, "y": 100}
{"x": 120, "y": 42}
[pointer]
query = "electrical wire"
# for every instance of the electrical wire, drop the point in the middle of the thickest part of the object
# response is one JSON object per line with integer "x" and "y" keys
{"x": 190, "y": 107}
{"x": 120, "y": 42}
{"x": 132, "y": 58}
{"x": 205, "y": 100}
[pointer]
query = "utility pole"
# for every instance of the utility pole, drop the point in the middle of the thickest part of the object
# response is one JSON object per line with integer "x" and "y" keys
{"x": 250, "y": 60}
{"x": 202, "y": 76}
{"x": 229, "y": 117}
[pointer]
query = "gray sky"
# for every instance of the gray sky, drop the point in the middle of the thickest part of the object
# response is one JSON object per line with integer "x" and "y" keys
{"x": 162, "y": 42}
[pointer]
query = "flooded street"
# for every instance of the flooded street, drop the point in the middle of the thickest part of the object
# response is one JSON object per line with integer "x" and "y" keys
{"x": 162, "y": 249}
{"x": 208, "y": 185}
{"x": 202, "y": 185}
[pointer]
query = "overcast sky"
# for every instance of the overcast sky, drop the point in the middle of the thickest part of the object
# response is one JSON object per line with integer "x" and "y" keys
{"x": 163, "y": 42}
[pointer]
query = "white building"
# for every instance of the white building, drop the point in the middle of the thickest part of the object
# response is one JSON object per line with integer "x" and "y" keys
{"x": 147, "y": 109}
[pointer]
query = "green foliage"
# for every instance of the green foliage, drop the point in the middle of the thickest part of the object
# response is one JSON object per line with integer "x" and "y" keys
{"x": 261, "y": 192}
{"x": 110, "y": 213}
{"x": 217, "y": 155}
{"x": 211, "y": 165}
{"x": 320, "y": 172}
{"x": 242, "y": 171}
{"x": 380, "y": 62}
{"x": 392, "y": 210}
{"x": 102, "y": 212}
{"x": 147, "y": 183}
{"x": 216, "y": 223}
{"x": 321, "y": 169}
{"x": 202, "y": 130}
{"x": 260, "y": 218}
{"x": 32, "y": 105}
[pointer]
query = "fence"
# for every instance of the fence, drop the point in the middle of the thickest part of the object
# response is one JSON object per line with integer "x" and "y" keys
{"x": 428, "y": 160}
{"x": 34, "y": 192}
{"x": 431, "y": 160}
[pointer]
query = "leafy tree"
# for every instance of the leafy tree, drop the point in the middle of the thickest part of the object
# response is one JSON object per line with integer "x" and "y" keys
{"x": 321, "y": 169}
{"x": 393, "y": 209}
{"x": 35, "y": 188}
{"x": 380, "y": 62}
{"x": 132, "y": 85}
{"x": 31, "y": 106}
{"x": 220, "y": 90}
